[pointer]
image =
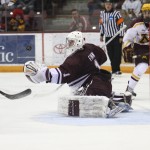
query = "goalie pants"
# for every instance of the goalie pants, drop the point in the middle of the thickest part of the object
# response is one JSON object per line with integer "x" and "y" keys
{"x": 100, "y": 84}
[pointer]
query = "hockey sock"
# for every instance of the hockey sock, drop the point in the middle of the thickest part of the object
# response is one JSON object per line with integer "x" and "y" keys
{"x": 139, "y": 70}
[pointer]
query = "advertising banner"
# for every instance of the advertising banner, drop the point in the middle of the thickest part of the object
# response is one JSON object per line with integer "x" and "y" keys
{"x": 17, "y": 49}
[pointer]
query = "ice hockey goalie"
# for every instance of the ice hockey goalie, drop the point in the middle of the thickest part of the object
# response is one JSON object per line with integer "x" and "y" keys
{"x": 81, "y": 71}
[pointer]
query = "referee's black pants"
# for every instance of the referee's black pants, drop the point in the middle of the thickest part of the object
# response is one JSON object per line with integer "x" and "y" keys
{"x": 114, "y": 50}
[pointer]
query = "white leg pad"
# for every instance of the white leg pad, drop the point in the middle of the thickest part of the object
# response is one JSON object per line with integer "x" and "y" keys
{"x": 83, "y": 106}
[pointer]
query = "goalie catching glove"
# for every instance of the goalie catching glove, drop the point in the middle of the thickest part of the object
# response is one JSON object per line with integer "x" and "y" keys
{"x": 35, "y": 72}
{"x": 128, "y": 54}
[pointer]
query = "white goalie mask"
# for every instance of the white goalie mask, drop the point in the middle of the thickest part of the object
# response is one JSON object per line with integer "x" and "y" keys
{"x": 74, "y": 41}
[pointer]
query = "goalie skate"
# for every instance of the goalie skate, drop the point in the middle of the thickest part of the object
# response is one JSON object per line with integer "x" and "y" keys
{"x": 123, "y": 100}
{"x": 116, "y": 110}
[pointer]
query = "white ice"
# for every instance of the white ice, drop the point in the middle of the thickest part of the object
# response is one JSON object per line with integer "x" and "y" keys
{"x": 32, "y": 123}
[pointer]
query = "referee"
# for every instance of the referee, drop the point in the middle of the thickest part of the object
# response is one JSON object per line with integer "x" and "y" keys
{"x": 110, "y": 22}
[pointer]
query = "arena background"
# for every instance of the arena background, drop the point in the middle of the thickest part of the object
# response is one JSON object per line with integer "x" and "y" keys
{"x": 43, "y": 40}
{"x": 48, "y": 48}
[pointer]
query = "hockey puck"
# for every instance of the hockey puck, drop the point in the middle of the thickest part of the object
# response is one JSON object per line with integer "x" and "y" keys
{"x": 28, "y": 48}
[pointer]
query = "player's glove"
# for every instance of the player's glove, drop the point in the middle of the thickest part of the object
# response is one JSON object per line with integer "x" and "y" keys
{"x": 128, "y": 54}
{"x": 35, "y": 72}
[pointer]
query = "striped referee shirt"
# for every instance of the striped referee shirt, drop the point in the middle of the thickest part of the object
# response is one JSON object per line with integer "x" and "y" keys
{"x": 110, "y": 23}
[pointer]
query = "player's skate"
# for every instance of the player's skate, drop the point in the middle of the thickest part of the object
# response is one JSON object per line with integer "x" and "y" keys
{"x": 131, "y": 91}
{"x": 127, "y": 101}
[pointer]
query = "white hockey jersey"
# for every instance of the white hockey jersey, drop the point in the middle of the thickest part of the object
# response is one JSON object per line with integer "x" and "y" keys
{"x": 138, "y": 34}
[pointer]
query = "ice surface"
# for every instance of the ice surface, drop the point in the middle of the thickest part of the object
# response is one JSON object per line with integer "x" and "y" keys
{"x": 32, "y": 123}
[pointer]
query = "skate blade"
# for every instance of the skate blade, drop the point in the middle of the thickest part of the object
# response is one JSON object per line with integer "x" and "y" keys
{"x": 115, "y": 111}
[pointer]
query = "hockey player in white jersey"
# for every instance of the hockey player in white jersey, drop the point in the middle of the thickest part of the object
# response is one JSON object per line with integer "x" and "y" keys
{"x": 136, "y": 45}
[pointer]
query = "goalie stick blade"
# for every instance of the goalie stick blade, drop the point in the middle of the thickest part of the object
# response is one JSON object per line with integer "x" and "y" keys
{"x": 18, "y": 95}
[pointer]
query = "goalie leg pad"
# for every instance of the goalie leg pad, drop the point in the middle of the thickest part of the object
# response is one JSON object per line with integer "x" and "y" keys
{"x": 83, "y": 106}
{"x": 123, "y": 99}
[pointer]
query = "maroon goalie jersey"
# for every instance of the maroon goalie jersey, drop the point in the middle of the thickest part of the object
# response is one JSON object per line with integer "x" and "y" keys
{"x": 79, "y": 66}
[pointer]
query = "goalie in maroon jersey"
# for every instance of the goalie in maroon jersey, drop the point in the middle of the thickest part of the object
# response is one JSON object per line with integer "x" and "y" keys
{"x": 81, "y": 67}
{"x": 136, "y": 42}
{"x": 80, "y": 70}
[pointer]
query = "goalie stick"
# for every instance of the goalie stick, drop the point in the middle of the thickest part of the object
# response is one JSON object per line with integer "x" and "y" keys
{"x": 18, "y": 95}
